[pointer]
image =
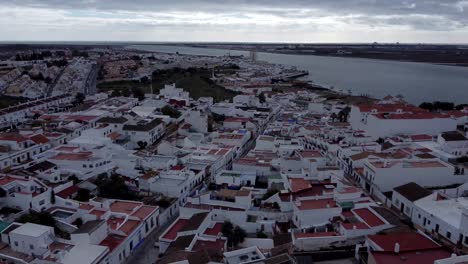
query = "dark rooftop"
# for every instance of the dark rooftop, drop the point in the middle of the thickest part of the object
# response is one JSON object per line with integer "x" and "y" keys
{"x": 143, "y": 126}
{"x": 453, "y": 136}
{"x": 42, "y": 166}
{"x": 412, "y": 191}
{"x": 89, "y": 227}
{"x": 180, "y": 243}
{"x": 112, "y": 120}
{"x": 194, "y": 222}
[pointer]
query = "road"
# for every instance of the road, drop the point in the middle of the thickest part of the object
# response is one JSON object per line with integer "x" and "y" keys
{"x": 146, "y": 253}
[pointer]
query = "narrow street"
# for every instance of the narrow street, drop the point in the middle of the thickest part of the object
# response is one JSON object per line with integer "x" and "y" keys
{"x": 146, "y": 253}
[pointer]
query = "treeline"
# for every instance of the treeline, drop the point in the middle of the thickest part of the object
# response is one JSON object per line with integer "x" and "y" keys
{"x": 441, "y": 106}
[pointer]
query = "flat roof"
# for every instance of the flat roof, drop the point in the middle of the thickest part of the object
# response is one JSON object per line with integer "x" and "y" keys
{"x": 30, "y": 229}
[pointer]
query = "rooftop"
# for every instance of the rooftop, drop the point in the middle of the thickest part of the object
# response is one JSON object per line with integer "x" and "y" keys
{"x": 412, "y": 191}
{"x": 408, "y": 241}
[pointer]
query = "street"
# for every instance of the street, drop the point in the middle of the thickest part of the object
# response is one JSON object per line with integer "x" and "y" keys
{"x": 146, "y": 253}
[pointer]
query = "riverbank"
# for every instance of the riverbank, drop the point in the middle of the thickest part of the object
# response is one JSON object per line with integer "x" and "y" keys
{"x": 451, "y": 55}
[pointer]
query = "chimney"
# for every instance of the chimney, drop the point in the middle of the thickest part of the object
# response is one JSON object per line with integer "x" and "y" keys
{"x": 354, "y": 227}
{"x": 397, "y": 248}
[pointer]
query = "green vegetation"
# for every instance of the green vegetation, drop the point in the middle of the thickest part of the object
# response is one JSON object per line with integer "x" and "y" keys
{"x": 261, "y": 234}
{"x": 114, "y": 187}
{"x": 236, "y": 235}
{"x": 269, "y": 193}
{"x": 83, "y": 195}
{"x": 41, "y": 218}
{"x": 441, "y": 106}
{"x": 6, "y": 101}
{"x": 196, "y": 81}
{"x": 170, "y": 111}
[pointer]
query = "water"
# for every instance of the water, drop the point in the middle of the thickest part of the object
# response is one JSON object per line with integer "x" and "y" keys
{"x": 417, "y": 82}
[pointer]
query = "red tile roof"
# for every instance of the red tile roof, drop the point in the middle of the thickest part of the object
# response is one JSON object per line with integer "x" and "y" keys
{"x": 298, "y": 184}
{"x": 171, "y": 234}
{"x": 12, "y": 137}
{"x": 218, "y": 244}
{"x": 129, "y": 226}
{"x": 98, "y": 213}
{"x": 350, "y": 226}
{"x": 73, "y": 156}
{"x": 39, "y": 139}
{"x": 126, "y": 207}
{"x": 369, "y": 217}
{"x": 422, "y": 257}
{"x": 215, "y": 230}
{"x": 408, "y": 241}
{"x": 145, "y": 211}
{"x": 317, "y": 204}
{"x": 66, "y": 193}
{"x": 112, "y": 241}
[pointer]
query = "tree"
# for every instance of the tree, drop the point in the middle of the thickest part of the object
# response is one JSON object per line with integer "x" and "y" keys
{"x": 144, "y": 79}
{"x": 164, "y": 203}
{"x": 78, "y": 222}
{"x": 126, "y": 92}
{"x": 52, "y": 197}
{"x": 269, "y": 193}
{"x": 238, "y": 236}
{"x": 83, "y": 195}
{"x": 116, "y": 93}
{"x": 235, "y": 235}
{"x": 227, "y": 228}
{"x": 114, "y": 187}
{"x": 142, "y": 144}
{"x": 260, "y": 234}
{"x": 79, "y": 98}
{"x": 74, "y": 179}
{"x": 380, "y": 140}
{"x": 41, "y": 218}
{"x": 461, "y": 106}
{"x": 170, "y": 111}
{"x": 261, "y": 97}
{"x": 138, "y": 93}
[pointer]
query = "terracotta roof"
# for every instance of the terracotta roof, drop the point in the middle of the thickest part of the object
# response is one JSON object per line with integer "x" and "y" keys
{"x": 317, "y": 204}
{"x": 126, "y": 207}
{"x": 215, "y": 230}
{"x": 66, "y": 193}
{"x": 408, "y": 241}
{"x": 423, "y": 256}
{"x": 9, "y": 136}
{"x": 39, "y": 139}
{"x": 145, "y": 211}
{"x": 369, "y": 217}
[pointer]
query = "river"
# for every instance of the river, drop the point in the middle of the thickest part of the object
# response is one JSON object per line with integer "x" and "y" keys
{"x": 417, "y": 82}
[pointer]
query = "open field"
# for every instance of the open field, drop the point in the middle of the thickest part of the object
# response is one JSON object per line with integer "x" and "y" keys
{"x": 196, "y": 81}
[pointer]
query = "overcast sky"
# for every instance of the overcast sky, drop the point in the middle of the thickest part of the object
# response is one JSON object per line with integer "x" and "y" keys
{"x": 439, "y": 21}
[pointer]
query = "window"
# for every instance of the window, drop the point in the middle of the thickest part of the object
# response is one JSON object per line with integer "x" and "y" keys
{"x": 31, "y": 247}
{"x": 41, "y": 202}
{"x": 131, "y": 245}
{"x": 84, "y": 166}
{"x": 16, "y": 243}
{"x": 466, "y": 240}
{"x": 449, "y": 235}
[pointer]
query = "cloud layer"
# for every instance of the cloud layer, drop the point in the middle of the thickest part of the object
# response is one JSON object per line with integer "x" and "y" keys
{"x": 442, "y": 21}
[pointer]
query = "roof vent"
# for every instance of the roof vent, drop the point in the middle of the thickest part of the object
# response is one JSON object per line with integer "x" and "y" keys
{"x": 397, "y": 248}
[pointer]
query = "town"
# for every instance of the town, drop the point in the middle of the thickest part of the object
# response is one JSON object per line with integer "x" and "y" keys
{"x": 113, "y": 155}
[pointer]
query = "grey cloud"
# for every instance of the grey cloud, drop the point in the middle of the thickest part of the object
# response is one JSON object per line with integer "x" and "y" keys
{"x": 418, "y": 14}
